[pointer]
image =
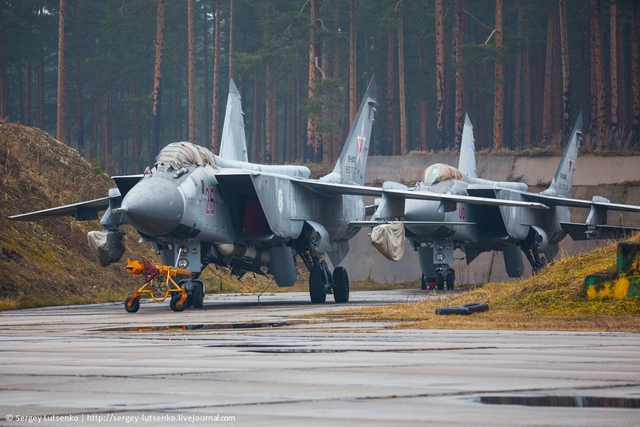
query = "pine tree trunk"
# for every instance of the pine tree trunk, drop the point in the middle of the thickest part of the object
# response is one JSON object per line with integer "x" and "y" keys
{"x": 593, "y": 64}
{"x": 29, "y": 94}
{"x": 335, "y": 73}
{"x": 422, "y": 99}
{"x": 602, "y": 110}
{"x": 215, "y": 120}
{"x": 499, "y": 90}
{"x": 566, "y": 106}
{"x": 353, "y": 89}
{"x": 391, "y": 92}
{"x": 290, "y": 134}
{"x": 440, "y": 95}
{"x": 527, "y": 99}
{"x": 191, "y": 72}
{"x": 517, "y": 90}
{"x": 459, "y": 74}
{"x": 3, "y": 66}
{"x": 613, "y": 19}
{"x": 93, "y": 145}
{"x": 622, "y": 105}
{"x": 61, "y": 70}
{"x": 231, "y": 37}
{"x": 257, "y": 122}
{"x": 314, "y": 139}
{"x": 547, "y": 119}
{"x": 105, "y": 148}
{"x": 157, "y": 81}
{"x": 271, "y": 119}
{"x": 327, "y": 136}
{"x": 635, "y": 75}
{"x": 78, "y": 75}
{"x": 403, "y": 114}
{"x": 136, "y": 141}
{"x": 205, "y": 48}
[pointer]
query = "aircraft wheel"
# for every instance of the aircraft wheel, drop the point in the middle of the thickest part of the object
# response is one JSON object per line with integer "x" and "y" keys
{"x": 174, "y": 303}
{"x": 132, "y": 304}
{"x": 197, "y": 296}
{"x": 340, "y": 285}
{"x": 423, "y": 282}
{"x": 451, "y": 278}
{"x": 316, "y": 286}
{"x": 439, "y": 281}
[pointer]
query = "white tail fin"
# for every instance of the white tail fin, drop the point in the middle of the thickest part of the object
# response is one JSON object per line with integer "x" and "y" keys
{"x": 352, "y": 163}
{"x": 233, "y": 144}
{"x": 563, "y": 179}
{"x": 467, "y": 160}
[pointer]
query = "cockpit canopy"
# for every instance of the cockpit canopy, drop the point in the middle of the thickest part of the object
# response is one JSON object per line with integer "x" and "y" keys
{"x": 440, "y": 173}
{"x": 180, "y": 154}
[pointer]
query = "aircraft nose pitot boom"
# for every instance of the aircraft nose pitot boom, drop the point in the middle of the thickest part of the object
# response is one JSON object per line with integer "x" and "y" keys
{"x": 154, "y": 207}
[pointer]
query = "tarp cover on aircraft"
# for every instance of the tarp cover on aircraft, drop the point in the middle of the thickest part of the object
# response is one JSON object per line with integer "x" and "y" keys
{"x": 107, "y": 245}
{"x": 181, "y": 154}
{"x": 388, "y": 239}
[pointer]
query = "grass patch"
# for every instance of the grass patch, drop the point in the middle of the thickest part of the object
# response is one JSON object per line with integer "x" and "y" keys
{"x": 552, "y": 300}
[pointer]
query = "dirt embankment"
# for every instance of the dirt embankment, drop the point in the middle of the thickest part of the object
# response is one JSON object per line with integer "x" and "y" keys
{"x": 48, "y": 261}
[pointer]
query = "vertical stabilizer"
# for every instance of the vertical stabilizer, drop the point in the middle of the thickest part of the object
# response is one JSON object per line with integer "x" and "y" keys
{"x": 352, "y": 163}
{"x": 467, "y": 160}
{"x": 563, "y": 179}
{"x": 233, "y": 145}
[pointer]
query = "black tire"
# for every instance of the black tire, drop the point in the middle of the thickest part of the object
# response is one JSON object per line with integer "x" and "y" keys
{"x": 451, "y": 278}
{"x": 423, "y": 282}
{"x": 197, "y": 295}
{"x": 316, "y": 286}
{"x": 174, "y": 303}
{"x": 131, "y": 304}
{"x": 453, "y": 310}
{"x": 476, "y": 307}
{"x": 340, "y": 285}
{"x": 439, "y": 281}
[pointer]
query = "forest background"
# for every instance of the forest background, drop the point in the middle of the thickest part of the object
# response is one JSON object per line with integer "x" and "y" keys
{"x": 120, "y": 79}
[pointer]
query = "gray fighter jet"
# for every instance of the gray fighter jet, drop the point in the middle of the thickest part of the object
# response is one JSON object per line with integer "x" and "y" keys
{"x": 451, "y": 208}
{"x": 198, "y": 209}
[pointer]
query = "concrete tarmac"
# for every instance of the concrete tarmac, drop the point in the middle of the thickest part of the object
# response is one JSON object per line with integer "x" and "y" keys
{"x": 241, "y": 362}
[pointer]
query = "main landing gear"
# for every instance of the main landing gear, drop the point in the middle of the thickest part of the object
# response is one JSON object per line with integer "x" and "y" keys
{"x": 445, "y": 275}
{"x": 322, "y": 283}
{"x": 442, "y": 278}
{"x": 160, "y": 285}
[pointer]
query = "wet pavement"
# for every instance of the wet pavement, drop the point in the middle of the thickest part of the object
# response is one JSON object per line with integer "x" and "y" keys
{"x": 244, "y": 362}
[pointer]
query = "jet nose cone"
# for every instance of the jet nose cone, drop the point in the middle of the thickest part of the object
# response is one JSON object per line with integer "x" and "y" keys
{"x": 154, "y": 207}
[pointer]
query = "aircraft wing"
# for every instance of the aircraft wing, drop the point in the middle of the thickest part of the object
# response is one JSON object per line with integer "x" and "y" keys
{"x": 579, "y": 203}
{"x": 324, "y": 188}
{"x": 587, "y": 232}
{"x": 361, "y": 224}
{"x": 472, "y": 200}
{"x": 82, "y": 210}
{"x": 126, "y": 182}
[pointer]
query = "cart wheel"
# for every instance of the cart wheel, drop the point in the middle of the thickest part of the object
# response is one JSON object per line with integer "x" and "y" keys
{"x": 175, "y": 303}
{"x": 132, "y": 304}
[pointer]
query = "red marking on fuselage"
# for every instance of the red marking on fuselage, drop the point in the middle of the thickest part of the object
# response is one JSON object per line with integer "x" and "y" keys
{"x": 210, "y": 205}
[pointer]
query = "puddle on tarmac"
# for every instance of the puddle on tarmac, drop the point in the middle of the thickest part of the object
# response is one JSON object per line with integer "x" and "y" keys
{"x": 563, "y": 401}
{"x": 197, "y": 327}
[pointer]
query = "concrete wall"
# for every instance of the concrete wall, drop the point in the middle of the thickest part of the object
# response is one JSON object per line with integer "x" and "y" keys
{"x": 594, "y": 175}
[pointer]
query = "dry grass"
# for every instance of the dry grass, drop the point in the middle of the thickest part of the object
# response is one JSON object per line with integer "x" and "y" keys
{"x": 552, "y": 300}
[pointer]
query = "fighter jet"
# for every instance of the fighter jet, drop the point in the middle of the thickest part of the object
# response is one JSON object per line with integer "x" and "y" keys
{"x": 198, "y": 209}
{"x": 451, "y": 208}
